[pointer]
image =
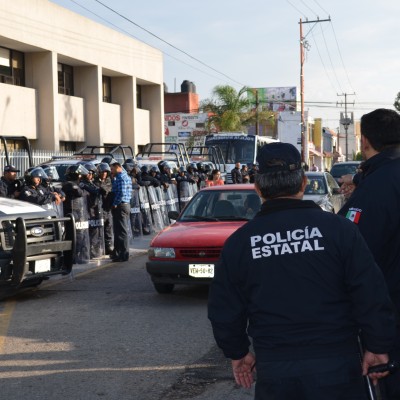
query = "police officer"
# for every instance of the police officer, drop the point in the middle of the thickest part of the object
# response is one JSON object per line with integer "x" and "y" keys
{"x": 236, "y": 174}
{"x": 95, "y": 210}
{"x": 105, "y": 185}
{"x": 10, "y": 186}
{"x": 301, "y": 282}
{"x": 149, "y": 175}
{"x": 374, "y": 209}
{"x": 75, "y": 203}
{"x": 34, "y": 192}
{"x": 166, "y": 177}
{"x": 252, "y": 172}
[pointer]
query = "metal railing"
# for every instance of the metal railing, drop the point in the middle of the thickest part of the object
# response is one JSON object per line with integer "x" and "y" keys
{"x": 20, "y": 158}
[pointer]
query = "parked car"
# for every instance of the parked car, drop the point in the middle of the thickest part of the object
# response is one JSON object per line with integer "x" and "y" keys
{"x": 324, "y": 190}
{"x": 186, "y": 252}
{"x": 343, "y": 168}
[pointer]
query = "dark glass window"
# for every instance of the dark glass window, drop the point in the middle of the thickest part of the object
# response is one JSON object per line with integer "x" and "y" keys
{"x": 65, "y": 79}
{"x": 67, "y": 146}
{"x": 106, "y": 89}
{"x": 12, "y": 67}
{"x": 138, "y": 96}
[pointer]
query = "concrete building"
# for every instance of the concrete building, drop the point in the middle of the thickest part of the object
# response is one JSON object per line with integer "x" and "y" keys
{"x": 66, "y": 81}
{"x": 186, "y": 101}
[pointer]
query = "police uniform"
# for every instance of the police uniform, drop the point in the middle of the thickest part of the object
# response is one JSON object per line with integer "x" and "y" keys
{"x": 374, "y": 207}
{"x": 236, "y": 175}
{"x": 36, "y": 194}
{"x": 107, "y": 199}
{"x": 299, "y": 281}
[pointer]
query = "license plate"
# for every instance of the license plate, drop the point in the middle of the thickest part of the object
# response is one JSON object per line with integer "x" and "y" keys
{"x": 42, "y": 265}
{"x": 201, "y": 270}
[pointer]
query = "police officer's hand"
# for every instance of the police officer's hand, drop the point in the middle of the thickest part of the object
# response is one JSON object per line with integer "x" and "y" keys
{"x": 243, "y": 370}
{"x": 348, "y": 186}
{"x": 372, "y": 359}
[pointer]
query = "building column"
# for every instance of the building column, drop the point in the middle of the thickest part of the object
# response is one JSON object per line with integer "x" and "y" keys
{"x": 41, "y": 74}
{"x": 153, "y": 100}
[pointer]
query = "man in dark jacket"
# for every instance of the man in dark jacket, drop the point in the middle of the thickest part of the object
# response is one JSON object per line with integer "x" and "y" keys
{"x": 10, "y": 186}
{"x": 299, "y": 281}
{"x": 236, "y": 174}
{"x": 374, "y": 208}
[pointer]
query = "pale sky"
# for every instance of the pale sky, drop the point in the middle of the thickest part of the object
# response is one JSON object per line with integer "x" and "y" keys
{"x": 257, "y": 45}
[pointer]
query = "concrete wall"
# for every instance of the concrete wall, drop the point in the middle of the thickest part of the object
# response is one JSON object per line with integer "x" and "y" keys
{"x": 111, "y": 123}
{"x": 17, "y": 118}
{"x": 71, "y": 121}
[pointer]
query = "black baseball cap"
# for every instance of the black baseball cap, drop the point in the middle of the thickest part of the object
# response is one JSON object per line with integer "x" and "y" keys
{"x": 11, "y": 168}
{"x": 278, "y": 156}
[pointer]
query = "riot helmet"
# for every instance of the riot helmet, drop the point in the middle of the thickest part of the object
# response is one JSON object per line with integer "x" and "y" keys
{"x": 74, "y": 172}
{"x": 91, "y": 168}
{"x": 35, "y": 172}
{"x": 200, "y": 166}
{"x": 103, "y": 167}
{"x": 144, "y": 169}
{"x": 154, "y": 169}
{"x": 163, "y": 166}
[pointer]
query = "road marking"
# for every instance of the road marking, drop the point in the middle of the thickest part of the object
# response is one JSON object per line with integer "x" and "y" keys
{"x": 6, "y": 311}
{"x": 24, "y": 373}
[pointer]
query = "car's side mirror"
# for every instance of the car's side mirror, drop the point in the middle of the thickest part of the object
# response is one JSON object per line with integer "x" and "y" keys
{"x": 335, "y": 190}
{"x": 173, "y": 215}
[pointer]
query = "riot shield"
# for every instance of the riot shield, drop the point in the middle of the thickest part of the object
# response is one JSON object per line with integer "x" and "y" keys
{"x": 169, "y": 195}
{"x": 58, "y": 208}
{"x": 183, "y": 194}
{"x": 157, "y": 218}
{"x": 161, "y": 198}
{"x": 147, "y": 225}
{"x": 193, "y": 189}
{"x": 80, "y": 212}
{"x": 136, "y": 215}
{"x": 96, "y": 226}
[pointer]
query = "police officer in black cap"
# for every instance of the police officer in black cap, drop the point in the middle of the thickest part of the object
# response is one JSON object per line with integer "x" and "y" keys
{"x": 302, "y": 283}
{"x": 10, "y": 186}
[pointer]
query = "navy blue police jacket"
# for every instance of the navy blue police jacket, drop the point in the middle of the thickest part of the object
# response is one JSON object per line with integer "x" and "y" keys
{"x": 374, "y": 207}
{"x": 301, "y": 282}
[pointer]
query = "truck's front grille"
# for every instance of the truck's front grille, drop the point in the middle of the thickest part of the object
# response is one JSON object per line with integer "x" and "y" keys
{"x": 42, "y": 232}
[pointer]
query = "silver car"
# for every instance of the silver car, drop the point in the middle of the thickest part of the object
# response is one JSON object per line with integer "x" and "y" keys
{"x": 324, "y": 190}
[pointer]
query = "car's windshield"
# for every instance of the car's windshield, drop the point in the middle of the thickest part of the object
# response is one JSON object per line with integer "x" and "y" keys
{"x": 216, "y": 205}
{"x": 315, "y": 185}
{"x": 343, "y": 169}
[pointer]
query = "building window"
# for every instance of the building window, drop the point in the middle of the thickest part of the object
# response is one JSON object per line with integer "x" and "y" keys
{"x": 65, "y": 79}
{"x": 200, "y": 125}
{"x": 67, "y": 146}
{"x": 12, "y": 67}
{"x": 106, "y": 89}
{"x": 138, "y": 96}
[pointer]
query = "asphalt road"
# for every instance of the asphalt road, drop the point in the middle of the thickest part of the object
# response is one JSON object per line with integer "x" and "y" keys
{"x": 106, "y": 334}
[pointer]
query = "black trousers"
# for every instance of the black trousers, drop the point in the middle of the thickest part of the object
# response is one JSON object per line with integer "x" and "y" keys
{"x": 121, "y": 229}
{"x": 334, "y": 378}
{"x": 108, "y": 230}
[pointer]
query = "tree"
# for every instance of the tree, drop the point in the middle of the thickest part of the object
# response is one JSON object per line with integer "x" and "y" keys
{"x": 397, "y": 102}
{"x": 228, "y": 108}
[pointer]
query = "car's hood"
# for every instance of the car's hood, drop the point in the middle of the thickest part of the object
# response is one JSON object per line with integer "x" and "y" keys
{"x": 315, "y": 197}
{"x": 196, "y": 234}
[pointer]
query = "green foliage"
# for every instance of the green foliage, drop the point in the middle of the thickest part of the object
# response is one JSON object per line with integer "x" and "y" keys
{"x": 358, "y": 156}
{"x": 227, "y": 108}
{"x": 397, "y": 102}
{"x": 232, "y": 111}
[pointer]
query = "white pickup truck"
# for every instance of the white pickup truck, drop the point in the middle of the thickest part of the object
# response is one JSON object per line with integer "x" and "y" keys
{"x": 34, "y": 244}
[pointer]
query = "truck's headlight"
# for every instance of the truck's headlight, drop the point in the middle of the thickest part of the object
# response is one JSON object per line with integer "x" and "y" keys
{"x": 161, "y": 252}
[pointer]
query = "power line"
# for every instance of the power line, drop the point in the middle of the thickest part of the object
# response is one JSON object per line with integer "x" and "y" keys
{"x": 168, "y": 43}
{"x": 316, "y": 2}
{"x": 296, "y": 9}
{"x": 133, "y": 36}
{"x": 309, "y": 8}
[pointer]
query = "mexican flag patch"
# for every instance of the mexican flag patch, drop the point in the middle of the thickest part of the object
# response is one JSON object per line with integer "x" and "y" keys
{"x": 354, "y": 215}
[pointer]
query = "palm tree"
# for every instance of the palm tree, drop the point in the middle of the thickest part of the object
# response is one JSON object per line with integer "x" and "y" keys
{"x": 228, "y": 108}
{"x": 232, "y": 111}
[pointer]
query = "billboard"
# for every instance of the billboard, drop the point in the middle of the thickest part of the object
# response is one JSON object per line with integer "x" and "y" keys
{"x": 274, "y": 98}
{"x": 181, "y": 128}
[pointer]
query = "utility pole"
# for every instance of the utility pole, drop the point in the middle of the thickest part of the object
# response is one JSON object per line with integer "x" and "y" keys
{"x": 304, "y": 45}
{"x": 257, "y": 123}
{"x": 346, "y": 121}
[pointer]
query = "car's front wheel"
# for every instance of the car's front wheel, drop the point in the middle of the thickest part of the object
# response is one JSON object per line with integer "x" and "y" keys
{"x": 164, "y": 288}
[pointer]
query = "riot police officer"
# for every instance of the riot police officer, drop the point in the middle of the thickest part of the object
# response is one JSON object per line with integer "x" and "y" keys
{"x": 149, "y": 175}
{"x": 95, "y": 210}
{"x": 34, "y": 192}
{"x": 76, "y": 203}
{"x": 105, "y": 185}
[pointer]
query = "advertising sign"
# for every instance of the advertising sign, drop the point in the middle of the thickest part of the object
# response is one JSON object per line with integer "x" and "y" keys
{"x": 274, "y": 98}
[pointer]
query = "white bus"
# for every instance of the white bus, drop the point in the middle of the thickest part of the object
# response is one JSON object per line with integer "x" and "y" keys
{"x": 237, "y": 147}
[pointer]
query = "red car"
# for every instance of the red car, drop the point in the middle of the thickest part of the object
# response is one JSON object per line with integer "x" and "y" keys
{"x": 186, "y": 252}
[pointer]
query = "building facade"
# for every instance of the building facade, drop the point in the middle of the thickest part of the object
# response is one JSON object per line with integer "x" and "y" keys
{"x": 67, "y": 81}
